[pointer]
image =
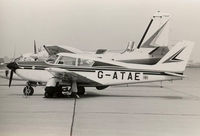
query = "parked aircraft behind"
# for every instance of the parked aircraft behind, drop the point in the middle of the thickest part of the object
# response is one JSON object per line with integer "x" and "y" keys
{"x": 152, "y": 46}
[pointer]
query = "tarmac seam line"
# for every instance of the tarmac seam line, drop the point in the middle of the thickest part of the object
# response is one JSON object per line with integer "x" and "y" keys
{"x": 73, "y": 116}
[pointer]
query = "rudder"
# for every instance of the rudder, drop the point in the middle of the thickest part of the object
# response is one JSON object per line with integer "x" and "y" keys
{"x": 176, "y": 59}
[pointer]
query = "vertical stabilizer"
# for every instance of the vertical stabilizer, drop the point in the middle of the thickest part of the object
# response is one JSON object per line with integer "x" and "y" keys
{"x": 157, "y": 31}
{"x": 176, "y": 59}
{"x": 130, "y": 47}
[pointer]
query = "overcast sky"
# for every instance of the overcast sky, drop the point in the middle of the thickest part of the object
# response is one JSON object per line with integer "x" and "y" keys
{"x": 91, "y": 24}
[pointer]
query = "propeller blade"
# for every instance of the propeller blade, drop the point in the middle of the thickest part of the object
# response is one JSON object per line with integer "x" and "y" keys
{"x": 35, "y": 49}
{"x": 12, "y": 66}
{"x": 11, "y": 76}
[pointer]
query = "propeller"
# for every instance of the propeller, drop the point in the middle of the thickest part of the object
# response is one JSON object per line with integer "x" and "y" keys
{"x": 12, "y": 66}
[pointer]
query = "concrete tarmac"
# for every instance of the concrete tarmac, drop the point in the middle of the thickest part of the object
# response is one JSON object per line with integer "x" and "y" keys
{"x": 139, "y": 110}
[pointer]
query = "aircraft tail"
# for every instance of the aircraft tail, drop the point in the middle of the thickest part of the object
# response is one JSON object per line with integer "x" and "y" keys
{"x": 176, "y": 59}
{"x": 130, "y": 47}
{"x": 156, "y": 34}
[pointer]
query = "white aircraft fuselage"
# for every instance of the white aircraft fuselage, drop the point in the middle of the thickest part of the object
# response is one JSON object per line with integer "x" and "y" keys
{"x": 90, "y": 71}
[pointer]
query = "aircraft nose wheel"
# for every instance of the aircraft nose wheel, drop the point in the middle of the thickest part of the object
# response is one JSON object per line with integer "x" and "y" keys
{"x": 28, "y": 90}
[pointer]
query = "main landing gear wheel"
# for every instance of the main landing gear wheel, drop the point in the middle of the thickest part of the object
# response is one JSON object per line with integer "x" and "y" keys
{"x": 28, "y": 90}
{"x": 53, "y": 92}
{"x": 48, "y": 95}
{"x": 49, "y": 92}
{"x": 57, "y": 94}
{"x": 81, "y": 90}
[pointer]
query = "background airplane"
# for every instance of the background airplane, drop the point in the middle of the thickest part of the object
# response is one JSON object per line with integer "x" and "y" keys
{"x": 152, "y": 46}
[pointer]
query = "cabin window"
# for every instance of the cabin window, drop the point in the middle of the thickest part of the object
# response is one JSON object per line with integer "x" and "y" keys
{"x": 85, "y": 62}
{"x": 52, "y": 59}
{"x": 67, "y": 60}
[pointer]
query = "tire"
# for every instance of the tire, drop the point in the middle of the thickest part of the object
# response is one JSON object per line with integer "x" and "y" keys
{"x": 28, "y": 90}
{"x": 57, "y": 95}
{"x": 81, "y": 90}
{"x": 48, "y": 95}
{"x": 49, "y": 92}
{"x": 54, "y": 95}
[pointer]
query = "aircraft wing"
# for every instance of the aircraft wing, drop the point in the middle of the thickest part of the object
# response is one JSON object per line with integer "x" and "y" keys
{"x": 55, "y": 49}
{"x": 101, "y": 51}
{"x": 70, "y": 76}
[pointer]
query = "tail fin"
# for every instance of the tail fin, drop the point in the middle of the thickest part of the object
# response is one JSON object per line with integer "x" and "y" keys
{"x": 35, "y": 48}
{"x": 176, "y": 59}
{"x": 157, "y": 31}
{"x": 130, "y": 47}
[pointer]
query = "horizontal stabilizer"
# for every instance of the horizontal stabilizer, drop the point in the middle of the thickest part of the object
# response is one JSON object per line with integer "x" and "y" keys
{"x": 174, "y": 74}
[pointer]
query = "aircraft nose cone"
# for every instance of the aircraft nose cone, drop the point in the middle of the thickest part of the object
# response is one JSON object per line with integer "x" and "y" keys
{"x": 12, "y": 65}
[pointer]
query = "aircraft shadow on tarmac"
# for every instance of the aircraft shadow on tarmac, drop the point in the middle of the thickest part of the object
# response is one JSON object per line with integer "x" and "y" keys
{"x": 94, "y": 95}
{"x": 139, "y": 85}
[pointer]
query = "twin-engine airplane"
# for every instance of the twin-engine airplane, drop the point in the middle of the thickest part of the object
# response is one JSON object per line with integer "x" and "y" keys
{"x": 79, "y": 71}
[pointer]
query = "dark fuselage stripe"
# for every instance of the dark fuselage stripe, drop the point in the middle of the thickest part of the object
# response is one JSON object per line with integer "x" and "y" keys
{"x": 100, "y": 69}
